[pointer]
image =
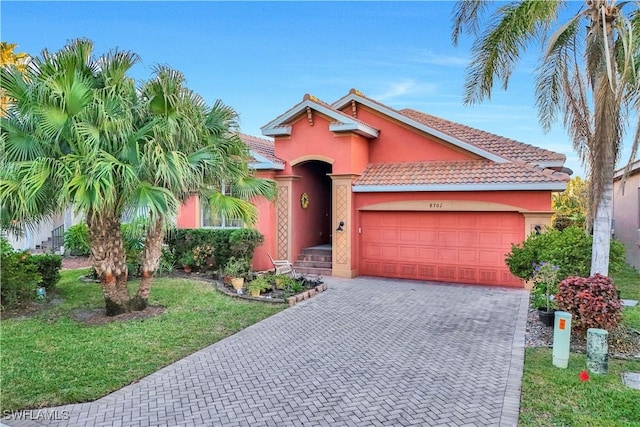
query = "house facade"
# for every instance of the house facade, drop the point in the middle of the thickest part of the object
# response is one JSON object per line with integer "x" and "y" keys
{"x": 397, "y": 193}
{"x": 626, "y": 212}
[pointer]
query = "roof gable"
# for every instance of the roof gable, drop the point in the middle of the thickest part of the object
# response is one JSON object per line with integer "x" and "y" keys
{"x": 281, "y": 126}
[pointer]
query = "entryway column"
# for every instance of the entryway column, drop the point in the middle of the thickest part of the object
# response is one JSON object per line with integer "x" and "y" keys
{"x": 533, "y": 219}
{"x": 283, "y": 216}
{"x": 343, "y": 235}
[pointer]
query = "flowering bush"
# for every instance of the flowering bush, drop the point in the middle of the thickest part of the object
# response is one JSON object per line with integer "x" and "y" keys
{"x": 545, "y": 279}
{"x": 593, "y": 302}
{"x": 203, "y": 257}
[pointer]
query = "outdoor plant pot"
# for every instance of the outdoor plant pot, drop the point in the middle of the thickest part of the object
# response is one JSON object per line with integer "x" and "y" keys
{"x": 237, "y": 282}
{"x": 186, "y": 268}
{"x": 254, "y": 292}
{"x": 546, "y": 317}
{"x": 279, "y": 284}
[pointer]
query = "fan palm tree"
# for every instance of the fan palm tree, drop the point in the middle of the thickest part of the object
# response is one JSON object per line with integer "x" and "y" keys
{"x": 588, "y": 72}
{"x": 9, "y": 58}
{"x": 79, "y": 133}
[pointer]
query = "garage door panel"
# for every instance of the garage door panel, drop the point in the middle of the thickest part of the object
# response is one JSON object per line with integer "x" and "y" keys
{"x": 389, "y": 252}
{"x": 447, "y": 255}
{"x": 468, "y": 256}
{"x": 407, "y": 235}
{"x": 489, "y": 257}
{"x": 371, "y": 251}
{"x": 447, "y": 238}
{"x": 428, "y": 237}
{"x": 467, "y": 247}
{"x": 468, "y": 238}
{"x": 427, "y": 253}
{"x": 388, "y": 234}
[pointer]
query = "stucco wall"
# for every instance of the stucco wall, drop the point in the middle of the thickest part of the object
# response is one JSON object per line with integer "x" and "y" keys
{"x": 626, "y": 207}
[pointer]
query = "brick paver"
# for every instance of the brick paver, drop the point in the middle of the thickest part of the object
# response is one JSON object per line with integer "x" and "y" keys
{"x": 367, "y": 352}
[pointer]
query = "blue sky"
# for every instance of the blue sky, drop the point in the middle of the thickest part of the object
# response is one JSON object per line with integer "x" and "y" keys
{"x": 262, "y": 57}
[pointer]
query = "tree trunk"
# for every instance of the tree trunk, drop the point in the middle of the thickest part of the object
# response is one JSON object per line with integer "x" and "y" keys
{"x": 109, "y": 260}
{"x": 602, "y": 228}
{"x": 604, "y": 148}
{"x": 150, "y": 259}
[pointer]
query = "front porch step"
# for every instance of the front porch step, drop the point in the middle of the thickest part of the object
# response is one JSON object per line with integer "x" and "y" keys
{"x": 315, "y": 271}
{"x": 314, "y": 260}
{"x": 312, "y": 264}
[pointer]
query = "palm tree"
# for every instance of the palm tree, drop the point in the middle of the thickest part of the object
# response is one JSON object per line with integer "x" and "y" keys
{"x": 9, "y": 58}
{"x": 79, "y": 133}
{"x": 588, "y": 72}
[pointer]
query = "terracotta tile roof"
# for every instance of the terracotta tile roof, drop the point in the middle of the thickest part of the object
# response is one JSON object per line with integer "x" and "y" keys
{"x": 503, "y": 147}
{"x": 455, "y": 172}
{"x": 261, "y": 146}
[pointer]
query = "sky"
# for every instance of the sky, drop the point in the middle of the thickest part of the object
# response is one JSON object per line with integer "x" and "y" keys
{"x": 261, "y": 58}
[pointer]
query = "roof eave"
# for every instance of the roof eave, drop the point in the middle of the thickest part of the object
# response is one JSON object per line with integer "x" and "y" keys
{"x": 277, "y": 131}
{"x": 357, "y": 127}
{"x": 528, "y": 186}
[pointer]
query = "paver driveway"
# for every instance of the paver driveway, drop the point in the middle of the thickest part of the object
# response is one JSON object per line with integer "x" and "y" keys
{"x": 366, "y": 352}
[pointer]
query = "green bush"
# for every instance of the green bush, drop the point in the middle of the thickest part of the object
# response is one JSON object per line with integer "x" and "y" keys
{"x": 19, "y": 277}
{"x": 569, "y": 249}
{"x": 76, "y": 240}
{"x": 244, "y": 241}
{"x": 48, "y": 266}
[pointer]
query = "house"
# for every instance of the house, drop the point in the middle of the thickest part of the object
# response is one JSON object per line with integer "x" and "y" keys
{"x": 396, "y": 193}
{"x": 626, "y": 212}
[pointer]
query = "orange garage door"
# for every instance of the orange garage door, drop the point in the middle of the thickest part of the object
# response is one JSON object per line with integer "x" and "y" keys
{"x": 464, "y": 247}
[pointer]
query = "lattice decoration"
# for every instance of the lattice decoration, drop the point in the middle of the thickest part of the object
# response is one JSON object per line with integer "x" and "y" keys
{"x": 283, "y": 222}
{"x": 341, "y": 213}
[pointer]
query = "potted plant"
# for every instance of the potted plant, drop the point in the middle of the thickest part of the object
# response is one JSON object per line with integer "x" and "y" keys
{"x": 188, "y": 261}
{"x": 236, "y": 268}
{"x": 545, "y": 279}
{"x": 258, "y": 285}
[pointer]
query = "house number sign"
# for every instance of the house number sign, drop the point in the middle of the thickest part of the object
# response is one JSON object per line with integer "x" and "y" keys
{"x": 435, "y": 205}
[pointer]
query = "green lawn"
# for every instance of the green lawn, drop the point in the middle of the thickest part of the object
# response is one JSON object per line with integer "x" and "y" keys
{"x": 556, "y": 397}
{"x": 51, "y": 359}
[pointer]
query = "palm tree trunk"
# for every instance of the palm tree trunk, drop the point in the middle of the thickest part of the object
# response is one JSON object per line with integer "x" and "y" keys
{"x": 602, "y": 227}
{"x": 605, "y": 144}
{"x": 150, "y": 259}
{"x": 109, "y": 261}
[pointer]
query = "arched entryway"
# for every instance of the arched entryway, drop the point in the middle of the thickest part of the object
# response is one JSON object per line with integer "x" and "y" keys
{"x": 311, "y": 210}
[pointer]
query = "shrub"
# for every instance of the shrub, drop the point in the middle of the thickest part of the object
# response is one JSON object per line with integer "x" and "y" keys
{"x": 243, "y": 241}
{"x": 569, "y": 249}
{"x": 185, "y": 240}
{"x": 20, "y": 279}
{"x": 592, "y": 301}
{"x": 545, "y": 279}
{"x": 48, "y": 266}
{"x": 76, "y": 240}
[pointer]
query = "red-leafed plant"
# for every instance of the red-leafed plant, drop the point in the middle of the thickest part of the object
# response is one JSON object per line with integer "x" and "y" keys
{"x": 592, "y": 301}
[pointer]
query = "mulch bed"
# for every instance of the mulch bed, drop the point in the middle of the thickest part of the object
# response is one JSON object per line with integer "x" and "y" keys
{"x": 624, "y": 343}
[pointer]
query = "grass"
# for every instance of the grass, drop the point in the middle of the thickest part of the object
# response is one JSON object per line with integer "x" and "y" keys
{"x": 628, "y": 281}
{"x": 556, "y": 397}
{"x": 51, "y": 359}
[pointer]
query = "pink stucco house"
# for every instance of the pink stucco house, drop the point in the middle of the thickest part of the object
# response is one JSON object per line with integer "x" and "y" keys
{"x": 396, "y": 193}
{"x": 626, "y": 212}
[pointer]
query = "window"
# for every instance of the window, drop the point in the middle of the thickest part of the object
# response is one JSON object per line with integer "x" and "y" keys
{"x": 216, "y": 220}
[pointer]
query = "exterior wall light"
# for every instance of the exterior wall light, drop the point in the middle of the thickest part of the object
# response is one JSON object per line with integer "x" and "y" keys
{"x": 340, "y": 226}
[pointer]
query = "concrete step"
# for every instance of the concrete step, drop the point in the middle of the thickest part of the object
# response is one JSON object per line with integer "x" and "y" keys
{"x": 319, "y": 258}
{"x": 316, "y": 271}
{"x": 316, "y": 251}
{"x": 312, "y": 264}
